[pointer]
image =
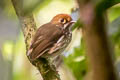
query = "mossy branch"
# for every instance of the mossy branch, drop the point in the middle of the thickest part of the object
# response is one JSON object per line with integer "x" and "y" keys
{"x": 28, "y": 24}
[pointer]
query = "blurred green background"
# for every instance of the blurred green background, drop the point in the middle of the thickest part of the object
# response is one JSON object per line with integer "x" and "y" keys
{"x": 14, "y": 64}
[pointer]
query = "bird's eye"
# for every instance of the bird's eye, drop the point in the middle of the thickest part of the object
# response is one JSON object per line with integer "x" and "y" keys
{"x": 63, "y": 21}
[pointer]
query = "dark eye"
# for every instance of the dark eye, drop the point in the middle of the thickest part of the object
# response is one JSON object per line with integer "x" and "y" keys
{"x": 63, "y": 21}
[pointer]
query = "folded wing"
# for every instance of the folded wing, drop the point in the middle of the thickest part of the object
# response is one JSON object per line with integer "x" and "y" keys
{"x": 44, "y": 39}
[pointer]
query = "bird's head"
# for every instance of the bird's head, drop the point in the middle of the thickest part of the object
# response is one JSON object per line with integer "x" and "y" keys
{"x": 63, "y": 19}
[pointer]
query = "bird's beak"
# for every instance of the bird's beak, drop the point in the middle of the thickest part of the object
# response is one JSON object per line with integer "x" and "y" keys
{"x": 73, "y": 22}
{"x": 69, "y": 25}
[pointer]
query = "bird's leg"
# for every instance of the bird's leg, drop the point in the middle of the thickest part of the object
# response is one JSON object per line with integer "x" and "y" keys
{"x": 51, "y": 64}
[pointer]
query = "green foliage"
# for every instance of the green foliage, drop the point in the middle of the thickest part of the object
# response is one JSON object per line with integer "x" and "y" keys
{"x": 77, "y": 62}
{"x": 78, "y": 24}
{"x": 8, "y": 9}
{"x": 8, "y": 49}
{"x": 113, "y": 13}
{"x": 103, "y": 5}
{"x": 35, "y": 5}
{"x": 115, "y": 35}
{"x": 114, "y": 27}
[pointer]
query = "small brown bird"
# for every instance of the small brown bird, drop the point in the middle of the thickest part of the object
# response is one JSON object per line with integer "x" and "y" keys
{"x": 52, "y": 38}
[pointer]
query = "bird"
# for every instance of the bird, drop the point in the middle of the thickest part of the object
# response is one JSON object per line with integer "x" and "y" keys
{"x": 52, "y": 38}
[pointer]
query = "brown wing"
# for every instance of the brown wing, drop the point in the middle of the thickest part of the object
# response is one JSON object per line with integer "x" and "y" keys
{"x": 45, "y": 37}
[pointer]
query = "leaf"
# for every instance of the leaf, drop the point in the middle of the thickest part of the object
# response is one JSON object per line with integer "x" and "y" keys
{"x": 114, "y": 26}
{"x": 78, "y": 24}
{"x": 114, "y": 33}
{"x": 31, "y": 6}
{"x": 77, "y": 62}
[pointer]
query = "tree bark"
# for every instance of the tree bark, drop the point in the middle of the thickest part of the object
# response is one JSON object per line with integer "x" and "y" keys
{"x": 29, "y": 27}
{"x": 96, "y": 39}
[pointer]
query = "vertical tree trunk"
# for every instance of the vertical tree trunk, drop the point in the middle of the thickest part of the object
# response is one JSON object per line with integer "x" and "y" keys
{"x": 97, "y": 43}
